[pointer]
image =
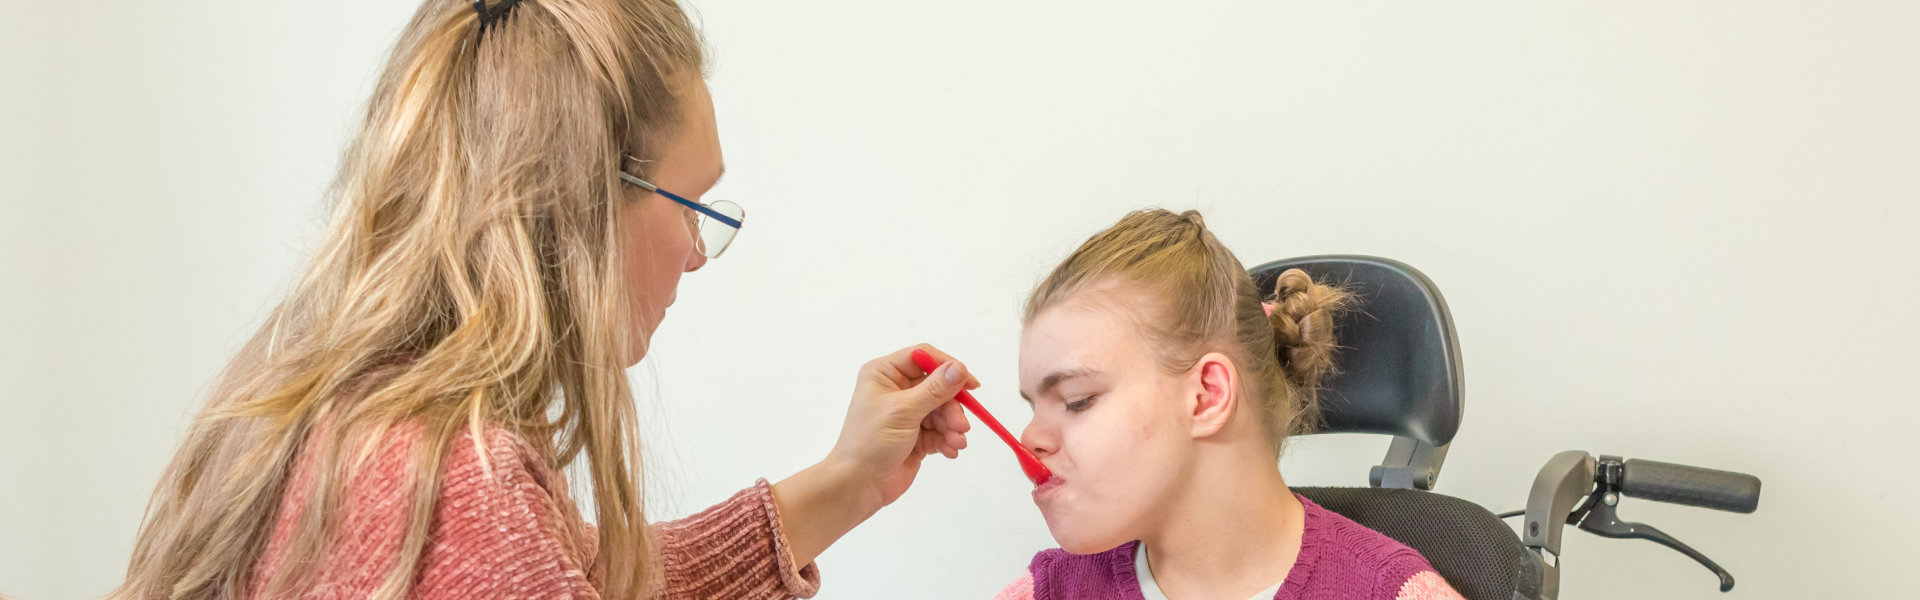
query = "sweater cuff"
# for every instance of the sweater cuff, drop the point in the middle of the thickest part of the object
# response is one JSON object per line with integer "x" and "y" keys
{"x": 734, "y": 549}
{"x": 800, "y": 580}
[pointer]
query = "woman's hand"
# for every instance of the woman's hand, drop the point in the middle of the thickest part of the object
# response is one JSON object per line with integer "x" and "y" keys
{"x": 898, "y": 416}
{"x": 901, "y": 414}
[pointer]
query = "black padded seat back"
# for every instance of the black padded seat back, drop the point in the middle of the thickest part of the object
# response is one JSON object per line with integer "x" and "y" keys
{"x": 1398, "y": 369}
{"x": 1473, "y": 549}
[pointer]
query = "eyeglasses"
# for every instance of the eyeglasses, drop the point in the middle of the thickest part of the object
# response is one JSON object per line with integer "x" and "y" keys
{"x": 720, "y": 220}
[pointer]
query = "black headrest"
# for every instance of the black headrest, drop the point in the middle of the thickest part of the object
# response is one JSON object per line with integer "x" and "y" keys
{"x": 1398, "y": 368}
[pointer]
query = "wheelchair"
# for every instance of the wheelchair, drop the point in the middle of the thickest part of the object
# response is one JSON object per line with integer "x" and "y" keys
{"x": 1400, "y": 375}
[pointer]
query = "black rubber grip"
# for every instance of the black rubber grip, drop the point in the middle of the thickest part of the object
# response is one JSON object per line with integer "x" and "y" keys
{"x": 1692, "y": 486}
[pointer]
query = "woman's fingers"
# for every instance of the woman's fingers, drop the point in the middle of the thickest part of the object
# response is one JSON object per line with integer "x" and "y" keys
{"x": 948, "y": 425}
{"x": 949, "y": 417}
{"x": 898, "y": 415}
{"x": 954, "y": 417}
{"x": 944, "y": 442}
{"x": 933, "y": 441}
{"x": 938, "y": 357}
{"x": 900, "y": 369}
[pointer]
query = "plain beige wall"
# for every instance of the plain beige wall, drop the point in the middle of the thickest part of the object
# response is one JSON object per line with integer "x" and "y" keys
{"x": 1672, "y": 230}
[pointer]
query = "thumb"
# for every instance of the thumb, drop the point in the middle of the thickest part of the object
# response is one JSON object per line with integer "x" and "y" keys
{"x": 940, "y": 386}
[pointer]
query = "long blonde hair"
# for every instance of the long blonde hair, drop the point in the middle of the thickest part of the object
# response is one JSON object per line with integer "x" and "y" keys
{"x": 469, "y": 278}
{"x": 1197, "y": 298}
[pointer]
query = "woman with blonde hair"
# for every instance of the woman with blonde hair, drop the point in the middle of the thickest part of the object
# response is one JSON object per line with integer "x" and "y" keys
{"x": 509, "y": 227}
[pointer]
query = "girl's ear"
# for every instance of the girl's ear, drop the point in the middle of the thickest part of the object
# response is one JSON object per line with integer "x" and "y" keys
{"x": 1215, "y": 394}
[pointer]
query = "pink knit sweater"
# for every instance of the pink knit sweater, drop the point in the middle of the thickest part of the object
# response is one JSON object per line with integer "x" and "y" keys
{"x": 504, "y": 527}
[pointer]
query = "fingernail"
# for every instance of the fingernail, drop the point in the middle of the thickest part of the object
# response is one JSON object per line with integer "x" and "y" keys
{"x": 953, "y": 373}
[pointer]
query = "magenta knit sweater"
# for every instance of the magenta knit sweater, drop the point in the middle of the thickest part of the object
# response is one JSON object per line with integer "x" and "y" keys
{"x": 1339, "y": 560}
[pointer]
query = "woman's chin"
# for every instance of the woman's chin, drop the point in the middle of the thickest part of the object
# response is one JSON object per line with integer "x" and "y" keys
{"x": 640, "y": 325}
{"x": 638, "y": 339}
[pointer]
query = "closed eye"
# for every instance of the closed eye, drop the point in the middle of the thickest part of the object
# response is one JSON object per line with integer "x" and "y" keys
{"x": 1081, "y": 404}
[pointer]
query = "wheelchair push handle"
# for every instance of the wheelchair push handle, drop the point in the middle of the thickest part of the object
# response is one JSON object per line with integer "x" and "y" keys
{"x": 1691, "y": 486}
{"x": 1576, "y": 488}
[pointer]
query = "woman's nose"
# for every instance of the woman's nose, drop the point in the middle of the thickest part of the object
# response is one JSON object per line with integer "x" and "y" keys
{"x": 697, "y": 258}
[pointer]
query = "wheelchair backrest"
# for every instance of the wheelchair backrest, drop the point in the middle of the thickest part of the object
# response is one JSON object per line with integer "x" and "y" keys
{"x": 1398, "y": 369}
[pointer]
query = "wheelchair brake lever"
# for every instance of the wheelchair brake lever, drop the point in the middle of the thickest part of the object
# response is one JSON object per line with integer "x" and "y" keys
{"x": 1602, "y": 520}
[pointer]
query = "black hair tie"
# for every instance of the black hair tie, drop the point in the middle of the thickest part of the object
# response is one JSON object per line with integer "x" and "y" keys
{"x": 488, "y": 16}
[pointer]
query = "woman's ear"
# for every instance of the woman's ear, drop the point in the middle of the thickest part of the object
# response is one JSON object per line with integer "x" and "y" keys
{"x": 1215, "y": 394}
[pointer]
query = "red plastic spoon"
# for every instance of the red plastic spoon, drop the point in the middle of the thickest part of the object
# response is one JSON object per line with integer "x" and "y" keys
{"x": 1035, "y": 471}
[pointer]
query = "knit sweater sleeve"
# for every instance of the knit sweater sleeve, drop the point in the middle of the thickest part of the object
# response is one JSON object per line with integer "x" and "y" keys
{"x": 1020, "y": 589}
{"x": 1405, "y": 575}
{"x": 736, "y": 549}
{"x": 505, "y": 528}
{"x": 1427, "y": 585}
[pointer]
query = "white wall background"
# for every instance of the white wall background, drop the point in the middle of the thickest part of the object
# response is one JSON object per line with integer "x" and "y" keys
{"x": 1674, "y": 230}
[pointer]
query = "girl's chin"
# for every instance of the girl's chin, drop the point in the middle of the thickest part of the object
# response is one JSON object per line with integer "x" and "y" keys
{"x": 1082, "y": 541}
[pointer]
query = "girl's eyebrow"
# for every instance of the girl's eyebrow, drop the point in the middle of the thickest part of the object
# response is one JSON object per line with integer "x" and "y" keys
{"x": 1056, "y": 378}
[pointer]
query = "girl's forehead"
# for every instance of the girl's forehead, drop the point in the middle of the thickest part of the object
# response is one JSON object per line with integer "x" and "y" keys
{"x": 1079, "y": 337}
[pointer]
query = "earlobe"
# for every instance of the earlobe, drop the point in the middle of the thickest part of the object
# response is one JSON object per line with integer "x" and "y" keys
{"x": 1214, "y": 395}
